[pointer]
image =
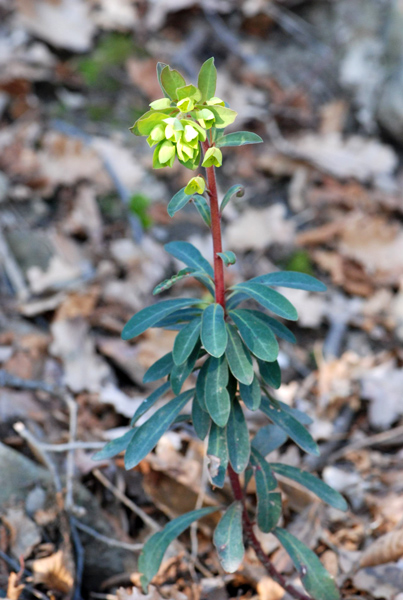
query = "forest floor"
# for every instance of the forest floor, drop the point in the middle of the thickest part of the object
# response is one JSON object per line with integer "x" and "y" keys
{"x": 83, "y": 223}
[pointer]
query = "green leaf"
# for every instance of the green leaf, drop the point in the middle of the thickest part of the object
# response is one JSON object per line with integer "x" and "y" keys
{"x": 155, "y": 547}
{"x": 217, "y": 397}
{"x": 160, "y": 67}
{"x": 217, "y": 452}
{"x": 290, "y": 425}
{"x": 268, "y": 503}
{"x": 315, "y": 579}
{"x": 201, "y": 419}
{"x": 147, "y": 435}
{"x": 168, "y": 283}
{"x": 203, "y": 208}
{"x": 278, "y": 328}
{"x": 228, "y": 538}
{"x": 178, "y": 202}
{"x": 257, "y": 335}
{"x": 207, "y": 79}
{"x": 271, "y": 373}
{"x": 150, "y": 401}
{"x": 213, "y": 332}
{"x": 238, "y": 438}
{"x": 240, "y": 138}
{"x": 188, "y": 254}
{"x": 223, "y": 116}
{"x": 186, "y": 340}
{"x": 238, "y": 357}
{"x": 236, "y": 190}
{"x": 115, "y": 446}
{"x": 162, "y": 367}
{"x": 302, "y": 417}
{"x": 201, "y": 387}
{"x": 269, "y": 299}
{"x": 291, "y": 279}
{"x": 312, "y": 483}
{"x": 189, "y": 91}
{"x": 251, "y": 394}
{"x": 150, "y": 315}
{"x": 146, "y": 123}
{"x": 171, "y": 80}
{"x": 179, "y": 317}
{"x": 269, "y": 438}
{"x": 227, "y": 257}
{"x": 180, "y": 373}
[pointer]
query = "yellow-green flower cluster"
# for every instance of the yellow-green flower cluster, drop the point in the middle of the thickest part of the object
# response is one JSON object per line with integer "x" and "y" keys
{"x": 177, "y": 124}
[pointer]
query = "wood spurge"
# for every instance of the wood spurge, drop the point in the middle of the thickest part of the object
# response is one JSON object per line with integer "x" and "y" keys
{"x": 229, "y": 349}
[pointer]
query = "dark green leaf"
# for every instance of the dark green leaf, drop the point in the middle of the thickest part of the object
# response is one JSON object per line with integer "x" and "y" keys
{"x": 269, "y": 299}
{"x": 186, "y": 340}
{"x": 160, "y": 67}
{"x": 162, "y": 367}
{"x": 115, "y": 446}
{"x": 217, "y": 452}
{"x": 189, "y": 255}
{"x": 150, "y": 315}
{"x": 238, "y": 438}
{"x": 251, "y": 394}
{"x": 178, "y": 202}
{"x": 238, "y": 357}
{"x": 291, "y": 279}
{"x": 227, "y": 257}
{"x": 240, "y": 138}
{"x": 171, "y": 80}
{"x": 302, "y": 417}
{"x": 217, "y": 397}
{"x": 150, "y": 401}
{"x": 269, "y": 438}
{"x": 269, "y": 509}
{"x": 235, "y": 190}
{"x": 207, "y": 79}
{"x": 228, "y": 538}
{"x": 213, "y": 331}
{"x": 262, "y": 471}
{"x": 278, "y": 328}
{"x": 154, "y": 549}
{"x": 203, "y": 208}
{"x": 200, "y": 418}
{"x": 257, "y": 335}
{"x": 147, "y": 435}
{"x": 312, "y": 483}
{"x": 236, "y": 299}
{"x": 315, "y": 579}
{"x": 168, "y": 283}
{"x": 271, "y": 373}
{"x": 180, "y": 373}
{"x": 291, "y": 426}
{"x": 201, "y": 388}
{"x": 178, "y": 317}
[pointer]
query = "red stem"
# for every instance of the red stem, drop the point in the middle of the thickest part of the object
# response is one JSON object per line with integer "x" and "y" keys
{"x": 216, "y": 232}
{"x": 220, "y": 299}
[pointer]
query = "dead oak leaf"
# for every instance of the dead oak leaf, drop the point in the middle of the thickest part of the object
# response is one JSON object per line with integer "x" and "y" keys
{"x": 55, "y": 572}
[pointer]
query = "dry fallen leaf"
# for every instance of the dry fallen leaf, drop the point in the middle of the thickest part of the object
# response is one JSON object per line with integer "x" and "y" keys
{"x": 24, "y": 534}
{"x": 257, "y": 229}
{"x": 387, "y": 548}
{"x": 55, "y": 571}
{"x": 14, "y": 587}
{"x": 136, "y": 594}
{"x": 383, "y": 386}
{"x": 268, "y": 589}
{"x": 64, "y": 24}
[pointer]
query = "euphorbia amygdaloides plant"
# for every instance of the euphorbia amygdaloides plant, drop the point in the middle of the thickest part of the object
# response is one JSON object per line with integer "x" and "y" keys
{"x": 228, "y": 349}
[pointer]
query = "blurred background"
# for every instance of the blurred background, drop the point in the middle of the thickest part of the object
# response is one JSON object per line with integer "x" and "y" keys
{"x": 83, "y": 222}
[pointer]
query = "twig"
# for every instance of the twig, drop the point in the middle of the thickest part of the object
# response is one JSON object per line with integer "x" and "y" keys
{"x": 372, "y": 440}
{"x": 72, "y": 406}
{"x": 105, "y": 539}
{"x": 72, "y": 446}
{"x": 126, "y": 501}
{"x": 39, "y": 453}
